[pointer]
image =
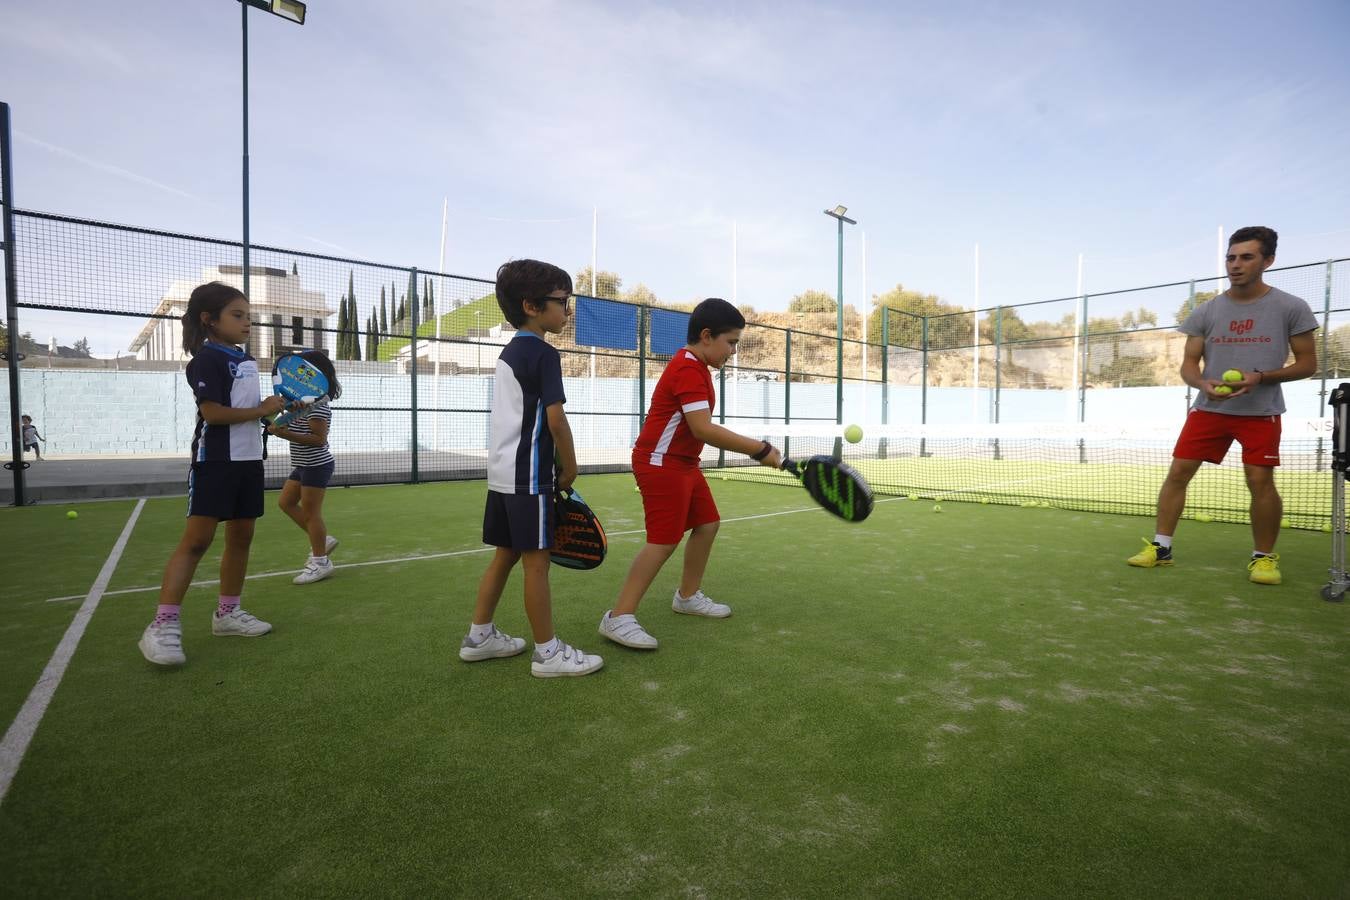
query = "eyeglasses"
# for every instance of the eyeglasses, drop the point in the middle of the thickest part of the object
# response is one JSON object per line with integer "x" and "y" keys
{"x": 565, "y": 301}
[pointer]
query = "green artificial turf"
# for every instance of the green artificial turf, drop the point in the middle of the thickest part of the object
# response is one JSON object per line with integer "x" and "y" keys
{"x": 981, "y": 702}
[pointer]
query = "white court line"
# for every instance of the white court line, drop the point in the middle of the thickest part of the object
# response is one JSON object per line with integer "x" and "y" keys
{"x": 21, "y": 730}
{"x": 402, "y": 559}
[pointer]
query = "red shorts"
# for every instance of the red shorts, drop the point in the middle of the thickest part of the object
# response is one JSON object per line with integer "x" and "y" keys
{"x": 1208, "y": 435}
{"x": 674, "y": 501}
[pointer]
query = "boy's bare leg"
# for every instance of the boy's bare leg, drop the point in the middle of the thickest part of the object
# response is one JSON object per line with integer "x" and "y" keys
{"x": 1172, "y": 494}
{"x": 493, "y": 582}
{"x": 538, "y": 598}
{"x": 1267, "y": 508}
{"x": 696, "y": 552}
{"x": 646, "y": 565}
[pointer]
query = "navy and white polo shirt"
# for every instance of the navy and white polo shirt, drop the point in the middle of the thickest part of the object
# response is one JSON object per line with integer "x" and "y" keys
{"x": 520, "y": 447}
{"x": 228, "y": 376}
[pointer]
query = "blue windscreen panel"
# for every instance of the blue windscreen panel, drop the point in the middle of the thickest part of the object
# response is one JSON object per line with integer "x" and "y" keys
{"x": 605, "y": 323}
{"x": 670, "y": 330}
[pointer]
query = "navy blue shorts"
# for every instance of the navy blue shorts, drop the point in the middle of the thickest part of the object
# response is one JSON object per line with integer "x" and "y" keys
{"x": 518, "y": 521}
{"x": 226, "y": 490}
{"x": 312, "y": 476}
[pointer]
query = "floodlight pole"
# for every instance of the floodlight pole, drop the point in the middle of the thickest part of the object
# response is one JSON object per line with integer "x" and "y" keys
{"x": 293, "y": 11}
{"x": 838, "y": 214}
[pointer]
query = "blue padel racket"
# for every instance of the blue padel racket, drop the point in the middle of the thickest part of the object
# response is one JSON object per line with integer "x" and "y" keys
{"x": 579, "y": 540}
{"x": 299, "y": 382}
{"x": 834, "y": 485}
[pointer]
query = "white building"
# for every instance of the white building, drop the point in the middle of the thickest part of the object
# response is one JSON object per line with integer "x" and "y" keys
{"x": 475, "y": 353}
{"x": 276, "y": 298}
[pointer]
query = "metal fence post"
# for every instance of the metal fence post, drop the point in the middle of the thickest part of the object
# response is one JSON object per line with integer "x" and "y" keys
{"x": 1082, "y": 375}
{"x": 721, "y": 411}
{"x": 998, "y": 369}
{"x": 923, "y": 383}
{"x": 16, "y": 464}
{"x": 642, "y": 367}
{"x": 1326, "y": 328}
{"x": 787, "y": 391}
{"x": 885, "y": 375}
{"x": 412, "y": 363}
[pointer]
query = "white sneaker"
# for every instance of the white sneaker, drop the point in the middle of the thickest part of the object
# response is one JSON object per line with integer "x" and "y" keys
{"x": 238, "y": 623}
{"x": 163, "y": 644}
{"x": 626, "y": 630}
{"x": 313, "y": 571}
{"x": 494, "y": 646}
{"x": 330, "y": 544}
{"x": 699, "y": 605}
{"x": 568, "y": 661}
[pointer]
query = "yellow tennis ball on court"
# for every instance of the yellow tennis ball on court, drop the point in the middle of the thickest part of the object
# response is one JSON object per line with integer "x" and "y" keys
{"x": 853, "y": 434}
{"x": 1232, "y": 375}
{"x": 937, "y": 507}
{"x": 914, "y": 496}
{"x": 984, "y": 501}
{"x": 1223, "y": 389}
{"x": 72, "y": 514}
{"x": 1285, "y": 523}
{"x": 1203, "y": 517}
{"x": 1326, "y": 527}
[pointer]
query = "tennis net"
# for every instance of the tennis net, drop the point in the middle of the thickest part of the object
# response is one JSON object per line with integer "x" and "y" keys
{"x": 1093, "y": 468}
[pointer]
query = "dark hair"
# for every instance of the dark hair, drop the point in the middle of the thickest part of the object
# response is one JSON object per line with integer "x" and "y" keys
{"x": 210, "y": 298}
{"x": 25, "y": 418}
{"x": 325, "y": 365}
{"x": 715, "y": 314}
{"x": 1266, "y": 236}
{"x": 527, "y": 279}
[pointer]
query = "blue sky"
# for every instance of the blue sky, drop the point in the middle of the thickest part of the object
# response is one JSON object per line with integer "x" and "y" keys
{"x": 1128, "y": 132}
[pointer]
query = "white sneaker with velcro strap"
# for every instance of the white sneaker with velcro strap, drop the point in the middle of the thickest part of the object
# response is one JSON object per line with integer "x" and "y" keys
{"x": 626, "y": 630}
{"x": 238, "y": 623}
{"x": 699, "y": 605}
{"x": 163, "y": 644}
{"x": 567, "y": 661}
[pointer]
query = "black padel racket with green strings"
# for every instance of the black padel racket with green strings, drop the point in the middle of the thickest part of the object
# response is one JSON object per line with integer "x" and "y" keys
{"x": 834, "y": 485}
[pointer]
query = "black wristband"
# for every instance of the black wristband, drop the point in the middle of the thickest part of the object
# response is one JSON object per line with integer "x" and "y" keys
{"x": 763, "y": 452}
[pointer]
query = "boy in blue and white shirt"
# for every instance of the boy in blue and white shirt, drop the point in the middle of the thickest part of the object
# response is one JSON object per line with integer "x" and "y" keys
{"x": 528, "y": 426}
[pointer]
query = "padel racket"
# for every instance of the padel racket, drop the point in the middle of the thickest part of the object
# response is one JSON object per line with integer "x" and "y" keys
{"x": 297, "y": 381}
{"x": 579, "y": 540}
{"x": 834, "y": 485}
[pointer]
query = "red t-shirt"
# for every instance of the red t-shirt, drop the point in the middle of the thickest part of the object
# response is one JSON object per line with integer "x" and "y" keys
{"x": 686, "y": 385}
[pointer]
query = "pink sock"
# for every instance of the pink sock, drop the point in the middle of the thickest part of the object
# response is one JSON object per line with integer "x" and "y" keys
{"x": 166, "y": 613}
{"x": 227, "y": 605}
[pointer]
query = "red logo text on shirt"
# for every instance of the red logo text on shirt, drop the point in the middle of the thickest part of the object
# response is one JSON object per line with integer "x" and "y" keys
{"x": 1241, "y": 326}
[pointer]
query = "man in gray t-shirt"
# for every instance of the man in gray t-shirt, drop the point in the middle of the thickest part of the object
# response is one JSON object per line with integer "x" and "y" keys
{"x": 1248, "y": 332}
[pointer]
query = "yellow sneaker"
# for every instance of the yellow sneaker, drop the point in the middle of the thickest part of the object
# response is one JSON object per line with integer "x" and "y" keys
{"x": 1152, "y": 555}
{"x": 1264, "y": 569}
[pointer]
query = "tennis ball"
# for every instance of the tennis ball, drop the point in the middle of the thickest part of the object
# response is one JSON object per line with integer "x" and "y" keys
{"x": 1326, "y": 527}
{"x": 1223, "y": 389}
{"x": 1232, "y": 375}
{"x": 1045, "y": 504}
{"x": 853, "y": 434}
{"x": 72, "y": 514}
{"x": 984, "y": 501}
{"x": 636, "y": 489}
{"x": 1285, "y": 523}
{"x": 937, "y": 507}
{"x": 914, "y": 496}
{"x": 1203, "y": 517}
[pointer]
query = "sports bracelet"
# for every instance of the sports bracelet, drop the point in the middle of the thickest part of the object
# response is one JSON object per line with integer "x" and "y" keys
{"x": 763, "y": 452}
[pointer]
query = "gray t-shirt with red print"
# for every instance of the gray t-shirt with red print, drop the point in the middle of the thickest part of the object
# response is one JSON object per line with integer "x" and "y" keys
{"x": 1248, "y": 335}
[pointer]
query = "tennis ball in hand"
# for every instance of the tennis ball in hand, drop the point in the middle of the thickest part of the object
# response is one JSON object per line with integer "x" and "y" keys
{"x": 72, "y": 514}
{"x": 853, "y": 434}
{"x": 1232, "y": 375}
{"x": 1223, "y": 389}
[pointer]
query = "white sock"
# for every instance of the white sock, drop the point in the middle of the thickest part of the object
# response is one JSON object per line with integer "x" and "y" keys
{"x": 1163, "y": 540}
{"x": 549, "y": 647}
{"x": 321, "y": 560}
{"x": 478, "y": 633}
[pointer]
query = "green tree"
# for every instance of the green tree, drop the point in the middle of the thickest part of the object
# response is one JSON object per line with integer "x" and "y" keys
{"x": 907, "y": 309}
{"x": 354, "y": 340}
{"x": 341, "y": 349}
{"x": 384, "y": 313}
{"x": 81, "y": 348}
{"x": 812, "y": 301}
{"x": 607, "y": 284}
{"x": 1187, "y": 307}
